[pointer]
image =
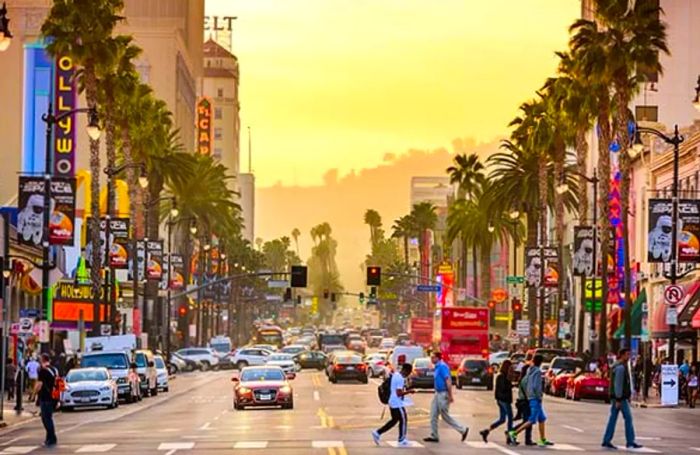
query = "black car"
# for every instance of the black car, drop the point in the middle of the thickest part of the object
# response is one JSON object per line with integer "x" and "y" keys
{"x": 423, "y": 374}
{"x": 475, "y": 372}
{"x": 311, "y": 359}
{"x": 348, "y": 366}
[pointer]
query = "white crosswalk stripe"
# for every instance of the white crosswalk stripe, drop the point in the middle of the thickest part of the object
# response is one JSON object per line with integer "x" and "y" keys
{"x": 641, "y": 450}
{"x": 326, "y": 444}
{"x": 96, "y": 448}
{"x": 490, "y": 445}
{"x": 18, "y": 449}
{"x": 176, "y": 446}
{"x": 564, "y": 448}
{"x": 250, "y": 445}
{"x": 411, "y": 444}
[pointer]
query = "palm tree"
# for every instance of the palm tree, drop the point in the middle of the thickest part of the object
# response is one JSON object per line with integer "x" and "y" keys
{"x": 296, "y": 233}
{"x": 424, "y": 218}
{"x": 374, "y": 221}
{"x": 460, "y": 225}
{"x": 259, "y": 243}
{"x": 403, "y": 229}
{"x": 468, "y": 173}
{"x": 79, "y": 29}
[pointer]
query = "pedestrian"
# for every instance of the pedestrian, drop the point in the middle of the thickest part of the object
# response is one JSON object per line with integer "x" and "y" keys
{"x": 10, "y": 373}
{"x": 533, "y": 394}
{"x": 397, "y": 406}
{"x": 684, "y": 368}
{"x": 442, "y": 383}
{"x": 620, "y": 394}
{"x": 523, "y": 407}
{"x": 33, "y": 374}
{"x": 44, "y": 389}
{"x": 504, "y": 399}
{"x": 20, "y": 378}
{"x": 692, "y": 386}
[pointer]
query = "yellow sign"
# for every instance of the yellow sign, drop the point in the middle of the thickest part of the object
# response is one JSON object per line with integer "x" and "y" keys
{"x": 314, "y": 305}
{"x": 598, "y": 289}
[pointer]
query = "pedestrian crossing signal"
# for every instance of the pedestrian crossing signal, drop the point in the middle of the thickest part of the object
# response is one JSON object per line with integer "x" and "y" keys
{"x": 374, "y": 276}
{"x": 298, "y": 273}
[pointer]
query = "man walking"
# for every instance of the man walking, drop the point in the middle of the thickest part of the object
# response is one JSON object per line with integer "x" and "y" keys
{"x": 397, "y": 406}
{"x": 620, "y": 393}
{"x": 533, "y": 393}
{"x": 442, "y": 399}
{"x": 33, "y": 374}
{"x": 44, "y": 388}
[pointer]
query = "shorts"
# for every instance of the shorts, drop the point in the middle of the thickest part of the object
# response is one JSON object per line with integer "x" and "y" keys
{"x": 537, "y": 414}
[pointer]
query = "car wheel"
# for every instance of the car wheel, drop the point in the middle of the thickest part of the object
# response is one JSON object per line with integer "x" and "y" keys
{"x": 166, "y": 389}
{"x": 332, "y": 379}
{"x": 66, "y": 409}
{"x": 607, "y": 400}
{"x": 154, "y": 391}
{"x": 205, "y": 365}
{"x": 241, "y": 364}
{"x": 288, "y": 406}
{"x": 364, "y": 380}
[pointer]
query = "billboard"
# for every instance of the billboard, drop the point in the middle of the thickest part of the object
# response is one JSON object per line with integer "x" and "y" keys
{"x": 119, "y": 242}
{"x": 533, "y": 266}
{"x": 65, "y": 100}
{"x": 661, "y": 226}
{"x": 177, "y": 281}
{"x": 204, "y": 126}
{"x": 71, "y": 300}
{"x": 689, "y": 231}
{"x": 582, "y": 261}
{"x": 30, "y": 211}
{"x": 155, "y": 259}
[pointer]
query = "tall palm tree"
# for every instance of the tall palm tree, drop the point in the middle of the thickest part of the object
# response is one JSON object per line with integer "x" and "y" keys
{"x": 468, "y": 173}
{"x": 296, "y": 233}
{"x": 403, "y": 229}
{"x": 424, "y": 218}
{"x": 374, "y": 221}
{"x": 460, "y": 226}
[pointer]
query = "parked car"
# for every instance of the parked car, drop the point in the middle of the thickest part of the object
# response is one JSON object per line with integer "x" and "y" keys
{"x": 117, "y": 362}
{"x": 205, "y": 357}
{"x": 375, "y": 341}
{"x": 284, "y": 361}
{"x": 588, "y": 385}
{"x": 559, "y": 384}
{"x": 183, "y": 364}
{"x": 146, "y": 369}
{"x": 423, "y": 373}
{"x": 348, "y": 366}
{"x": 262, "y": 386}
{"x": 249, "y": 356}
{"x": 86, "y": 387}
{"x": 311, "y": 359}
{"x": 474, "y": 372}
{"x": 376, "y": 364}
{"x": 559, "y": 365}
{"x": 162, "y": 374}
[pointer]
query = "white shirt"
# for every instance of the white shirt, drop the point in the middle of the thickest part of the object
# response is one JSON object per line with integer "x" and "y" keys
{"x": 397, "y": 383}
{"x": 33, "y": 369}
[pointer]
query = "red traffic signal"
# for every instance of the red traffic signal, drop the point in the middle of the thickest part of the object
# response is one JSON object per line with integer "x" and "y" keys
{"x": 517, "y": 306}
{"x": 492, "y": 304}
{"x": 182, "y": 311}
{"x": 374, "y": 276}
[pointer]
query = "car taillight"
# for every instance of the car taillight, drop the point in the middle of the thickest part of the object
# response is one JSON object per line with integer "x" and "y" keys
{"x": 361, "y": 366}
{"x": 338, "y": 367}
{"x": 380, "y": 363}
{"x": 489, "y": 370}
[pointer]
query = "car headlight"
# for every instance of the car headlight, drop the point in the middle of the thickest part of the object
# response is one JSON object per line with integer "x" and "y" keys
{"x": 162, "y": 375}
{"x": 285, "y": 389}
{"x": 105, "y": 388}
{"x": 244, "y": 390}
{"x": 121, "y": 380}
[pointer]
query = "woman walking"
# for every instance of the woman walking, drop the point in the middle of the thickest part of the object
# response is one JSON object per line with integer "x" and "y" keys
{"x": 692, "y": 386}
{"x": 504, "y": 399}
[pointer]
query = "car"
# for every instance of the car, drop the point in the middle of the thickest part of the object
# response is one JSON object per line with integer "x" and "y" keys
{"x": 146, "y": 369}
{"x": 404, "y": 354}
{"x": 206, "y": 357}
{"x": 547, "y": 354}
{"x": 293, "y": 349}
{"x": 497, "y": 358}
{"x": 162, "y": 374}
{"x": 423, "y": 374}
{"x": 403, "y": 339}
{"x": 559, "y": 384}
{"x": 474, "y": 372}
{"x": 249, "y": 356}
{"x": 348, "y": 366}
{"x": 331, "y": 357}
{"x": 358, "y": 345}
{"x": 284, "y": 361}
{"x": 87, "y": 387}
{"x": 118, "y": 363}
{"x": 183, "y": 364}
{"x": 387, "y": 343}
{"x": 561, "y": 364}
{"x": 588, "y": 385}
{"x": 329, "y": 348}
{"x": 375, "y": 341}
{"x": 517, "y": 361}
{"x": 311, "y": 359}
{"x": 376, "y": 364}
{"x": 266, "y": 347}
{"x": 262, "y": 386}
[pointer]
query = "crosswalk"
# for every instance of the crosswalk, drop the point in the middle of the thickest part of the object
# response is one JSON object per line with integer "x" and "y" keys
{"x": 331, "y": 446}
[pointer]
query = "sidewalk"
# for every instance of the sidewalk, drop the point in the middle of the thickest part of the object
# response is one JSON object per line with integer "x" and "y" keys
{"x": 11, "y": 418}
{"x": 654, "y": 401}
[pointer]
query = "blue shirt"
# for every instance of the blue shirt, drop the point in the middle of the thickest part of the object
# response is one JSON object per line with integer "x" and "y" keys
{"x": 442, "y": 373}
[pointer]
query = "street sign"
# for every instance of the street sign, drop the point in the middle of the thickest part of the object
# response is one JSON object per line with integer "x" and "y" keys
{"x": 522, "y": 327}
{"x": 673, "y": 294}
{"x": 515, "y": 279}
{"x": 671, "y": 315}
{"x": 26, "y": 326}
{"x": 669, "y": 385}
{"x": 499, "y": 295}
{"x": 273, "y": 284}
{"x": 428, "y": 288}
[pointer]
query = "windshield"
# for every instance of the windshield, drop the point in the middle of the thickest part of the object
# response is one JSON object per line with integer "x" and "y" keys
{"x": 280, "y": 357}
{"x": 422, "y": 363}
{"x": 349, "y": 359}
{"x": 474, "y": 364}
{"x": 86, "y": 375}
{"x": 141, "y": 360}
{"x": 262, "y": 374}
{"x": 110, "y": 361}
{"x": 332, "y": 339}
{"x": 293, "y": 349}
{"x": 567, "y": 364}
{"x": 159, "y": 363}
{"x": 222, "y": 348}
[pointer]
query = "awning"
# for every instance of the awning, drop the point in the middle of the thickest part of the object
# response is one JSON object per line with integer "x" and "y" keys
{"x": 635, "y": 317}
{"x": 659, "y": 328}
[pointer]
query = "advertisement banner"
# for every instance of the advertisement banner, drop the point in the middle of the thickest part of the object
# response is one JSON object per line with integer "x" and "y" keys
{"x": 155, "y": 259}
{"x": 582, "y": 261}
{"x": 533, "y": 266}
{"x": 72, "y": 300}
{"x": 65, "y": 100}
{"x": 660, "y": 228}
{"x": 177, "y": 281}
{"x": 119, "y": 242}
{"x": 30, "y": 207}
{"x": 204, "y": 126}
{"x": 689, "y": 230}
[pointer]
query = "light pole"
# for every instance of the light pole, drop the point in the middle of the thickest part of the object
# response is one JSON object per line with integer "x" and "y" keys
{"x": 174, "y": 212}
{"x": 675, "y": 141}
{"x": 5, "y": 35}
{"x": 514, "y": 216}
{"x": 93, "y": 130}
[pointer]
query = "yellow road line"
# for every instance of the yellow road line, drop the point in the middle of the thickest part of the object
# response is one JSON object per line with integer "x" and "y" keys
{"x": 323, "y": 416}
{"x": 331, "y": 451}
{"x": 342, "y": 451}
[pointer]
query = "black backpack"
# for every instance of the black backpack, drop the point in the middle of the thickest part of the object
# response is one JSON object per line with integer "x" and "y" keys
{"x": 384, "y": 390}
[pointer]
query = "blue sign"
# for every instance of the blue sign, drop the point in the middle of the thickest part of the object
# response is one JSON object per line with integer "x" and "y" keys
{"x": 428, "y": 288}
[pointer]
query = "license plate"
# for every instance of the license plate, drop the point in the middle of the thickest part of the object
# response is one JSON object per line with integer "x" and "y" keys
{"x": 265, "y": 397}
{"x": 599, "y": 389}
{"x": 429, "y": 373}
{"x": 350, "y": 368}
{"x": 476, "y": 380}
{"x": 85, "y": 400}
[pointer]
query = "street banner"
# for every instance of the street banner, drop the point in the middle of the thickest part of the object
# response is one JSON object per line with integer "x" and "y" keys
{"x": 582, "y": 260}
{"x": 155, "y": 259}
{"x": 65, "y": 99}
{"x": 533, "y": 265}
{"x": 660, "y": 228}
{"x": 119, "y": 242}
{"x": 30, "y": 206}
{"x": 689, "y": 231}
{"x": 177, "y": 281}
{"x": 204, "y": 126}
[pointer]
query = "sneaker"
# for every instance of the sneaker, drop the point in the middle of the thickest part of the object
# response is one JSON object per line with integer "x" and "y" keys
{"x": 634, "y": 445}
{"x": 376, "y": 437}
{"x": 484, "y": 435}
{"x": 405, "y": 443}
{"x": 464, "y": 435}
{"x": 431, "y": 439}
{"x": 544, "y": 443}
{"x": 512, "y": 436}
{"x": 608, "y": 445}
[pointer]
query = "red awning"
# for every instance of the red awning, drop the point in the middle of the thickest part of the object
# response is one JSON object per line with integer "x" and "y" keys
{"x": 659, "y": 325}
{"x": 695, "y": 323}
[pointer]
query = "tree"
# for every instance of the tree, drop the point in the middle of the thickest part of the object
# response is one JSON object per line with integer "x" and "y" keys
{"x": 460, "y": 226}
{"x": 468, "y": 173}
{"x": 296, "y": 233}
{"x": 403, "y": 229}
{"x": 374, "y": 221}
{"x": 323, "y": 270}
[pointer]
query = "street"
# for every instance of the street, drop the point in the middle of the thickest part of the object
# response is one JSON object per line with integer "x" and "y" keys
{"x": 197, "y": 417}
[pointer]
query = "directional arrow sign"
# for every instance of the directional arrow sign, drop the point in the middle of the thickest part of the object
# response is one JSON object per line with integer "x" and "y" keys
{"x": 428, "y": 288}
{"x": 670, "y": 383}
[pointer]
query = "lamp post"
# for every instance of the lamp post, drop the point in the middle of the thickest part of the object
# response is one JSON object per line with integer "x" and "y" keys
{"x": 5, "y": 35}
{"x": 93, "y": 130}
{"x": 675, "y": 141}
{"x": 514, "y": 216}
{"x": 174, "y": 212}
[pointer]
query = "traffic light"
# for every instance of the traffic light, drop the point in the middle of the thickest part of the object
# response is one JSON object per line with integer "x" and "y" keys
{"x": 298, "y": 276}
{"x": 182, "y": 311}
{"x": 374, "y": 276}
{"x": 288, "y": 295}
{"x": 492, "y": 312}
{"x": 517, "y": 308}
{"x": 325, "y": 294}
{"x": 362, "y": 297}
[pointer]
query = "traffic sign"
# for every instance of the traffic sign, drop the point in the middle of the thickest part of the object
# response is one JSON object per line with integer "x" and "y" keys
{"x": 26, "y": 326}
{"x": 671, "y": 315}
{"x": 673, "y": 294}
{"x": 428, "y": 288}
{"x": 499, "y": 295}
{"x": 515, "y": 279}
{"x": 669, "y": 385}
{"x": 522, "y": 327}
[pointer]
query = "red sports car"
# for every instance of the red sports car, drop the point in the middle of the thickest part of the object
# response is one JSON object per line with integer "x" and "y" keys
{"x": 263, "y": 386}
{"x": 588, "y": 385}
{"x": 557, "y": 386}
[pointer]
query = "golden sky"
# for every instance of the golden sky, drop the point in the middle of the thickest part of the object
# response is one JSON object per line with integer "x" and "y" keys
{"x": 339, "y": 83}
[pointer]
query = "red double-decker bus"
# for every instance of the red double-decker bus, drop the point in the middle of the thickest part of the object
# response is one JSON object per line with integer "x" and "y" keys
{"x": 461, "y": 332}
{"x": 421, "y": 331}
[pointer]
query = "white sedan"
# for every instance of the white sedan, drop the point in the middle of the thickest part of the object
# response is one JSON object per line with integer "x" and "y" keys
{"x": 376, "y": 364}
{"x": 88, "y": 387}
{"x": 284, "y": 361}
{"x": 161, "y": 374}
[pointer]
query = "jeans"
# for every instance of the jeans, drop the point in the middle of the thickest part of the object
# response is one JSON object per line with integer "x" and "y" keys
{"x": 398, "y": 415}
{"x": 525, "y": 411}
{"x": 505, "y": 413}
{"x": 612, "y": 422}
{"x": 441, "y": 407}
{"x": 47, "y": 409}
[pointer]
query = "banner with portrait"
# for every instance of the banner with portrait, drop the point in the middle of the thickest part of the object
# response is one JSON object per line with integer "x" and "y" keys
{"x": 661, "y": 228}
{"x": 533, "y": 266}
{"x": 150, "y": 253}
{"x": 582, "y": 261}
{"x": 689, "y": 230}
{"x": 30, "y": 211}
{"x": 119, "y": 242}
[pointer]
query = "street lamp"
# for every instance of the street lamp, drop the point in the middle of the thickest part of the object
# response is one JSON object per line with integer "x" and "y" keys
{"x": 5, "y": 35}
{"x": 193, "y": 227}
{"x": 514, "y": 215}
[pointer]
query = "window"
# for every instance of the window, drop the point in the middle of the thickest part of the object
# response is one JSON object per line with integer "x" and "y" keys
{"x": 217, "y": 133}
{"x": 217, "y": 113}
{"x": 646, "y": 113}
{"x": 217, "y": 152}
{"x": 220, "y": 92}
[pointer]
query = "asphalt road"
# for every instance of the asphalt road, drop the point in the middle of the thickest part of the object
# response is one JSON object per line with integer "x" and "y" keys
{"x": 196, "y": 417}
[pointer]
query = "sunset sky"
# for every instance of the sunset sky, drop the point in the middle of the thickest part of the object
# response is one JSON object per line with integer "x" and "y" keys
{"x": 337, "y": 84}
